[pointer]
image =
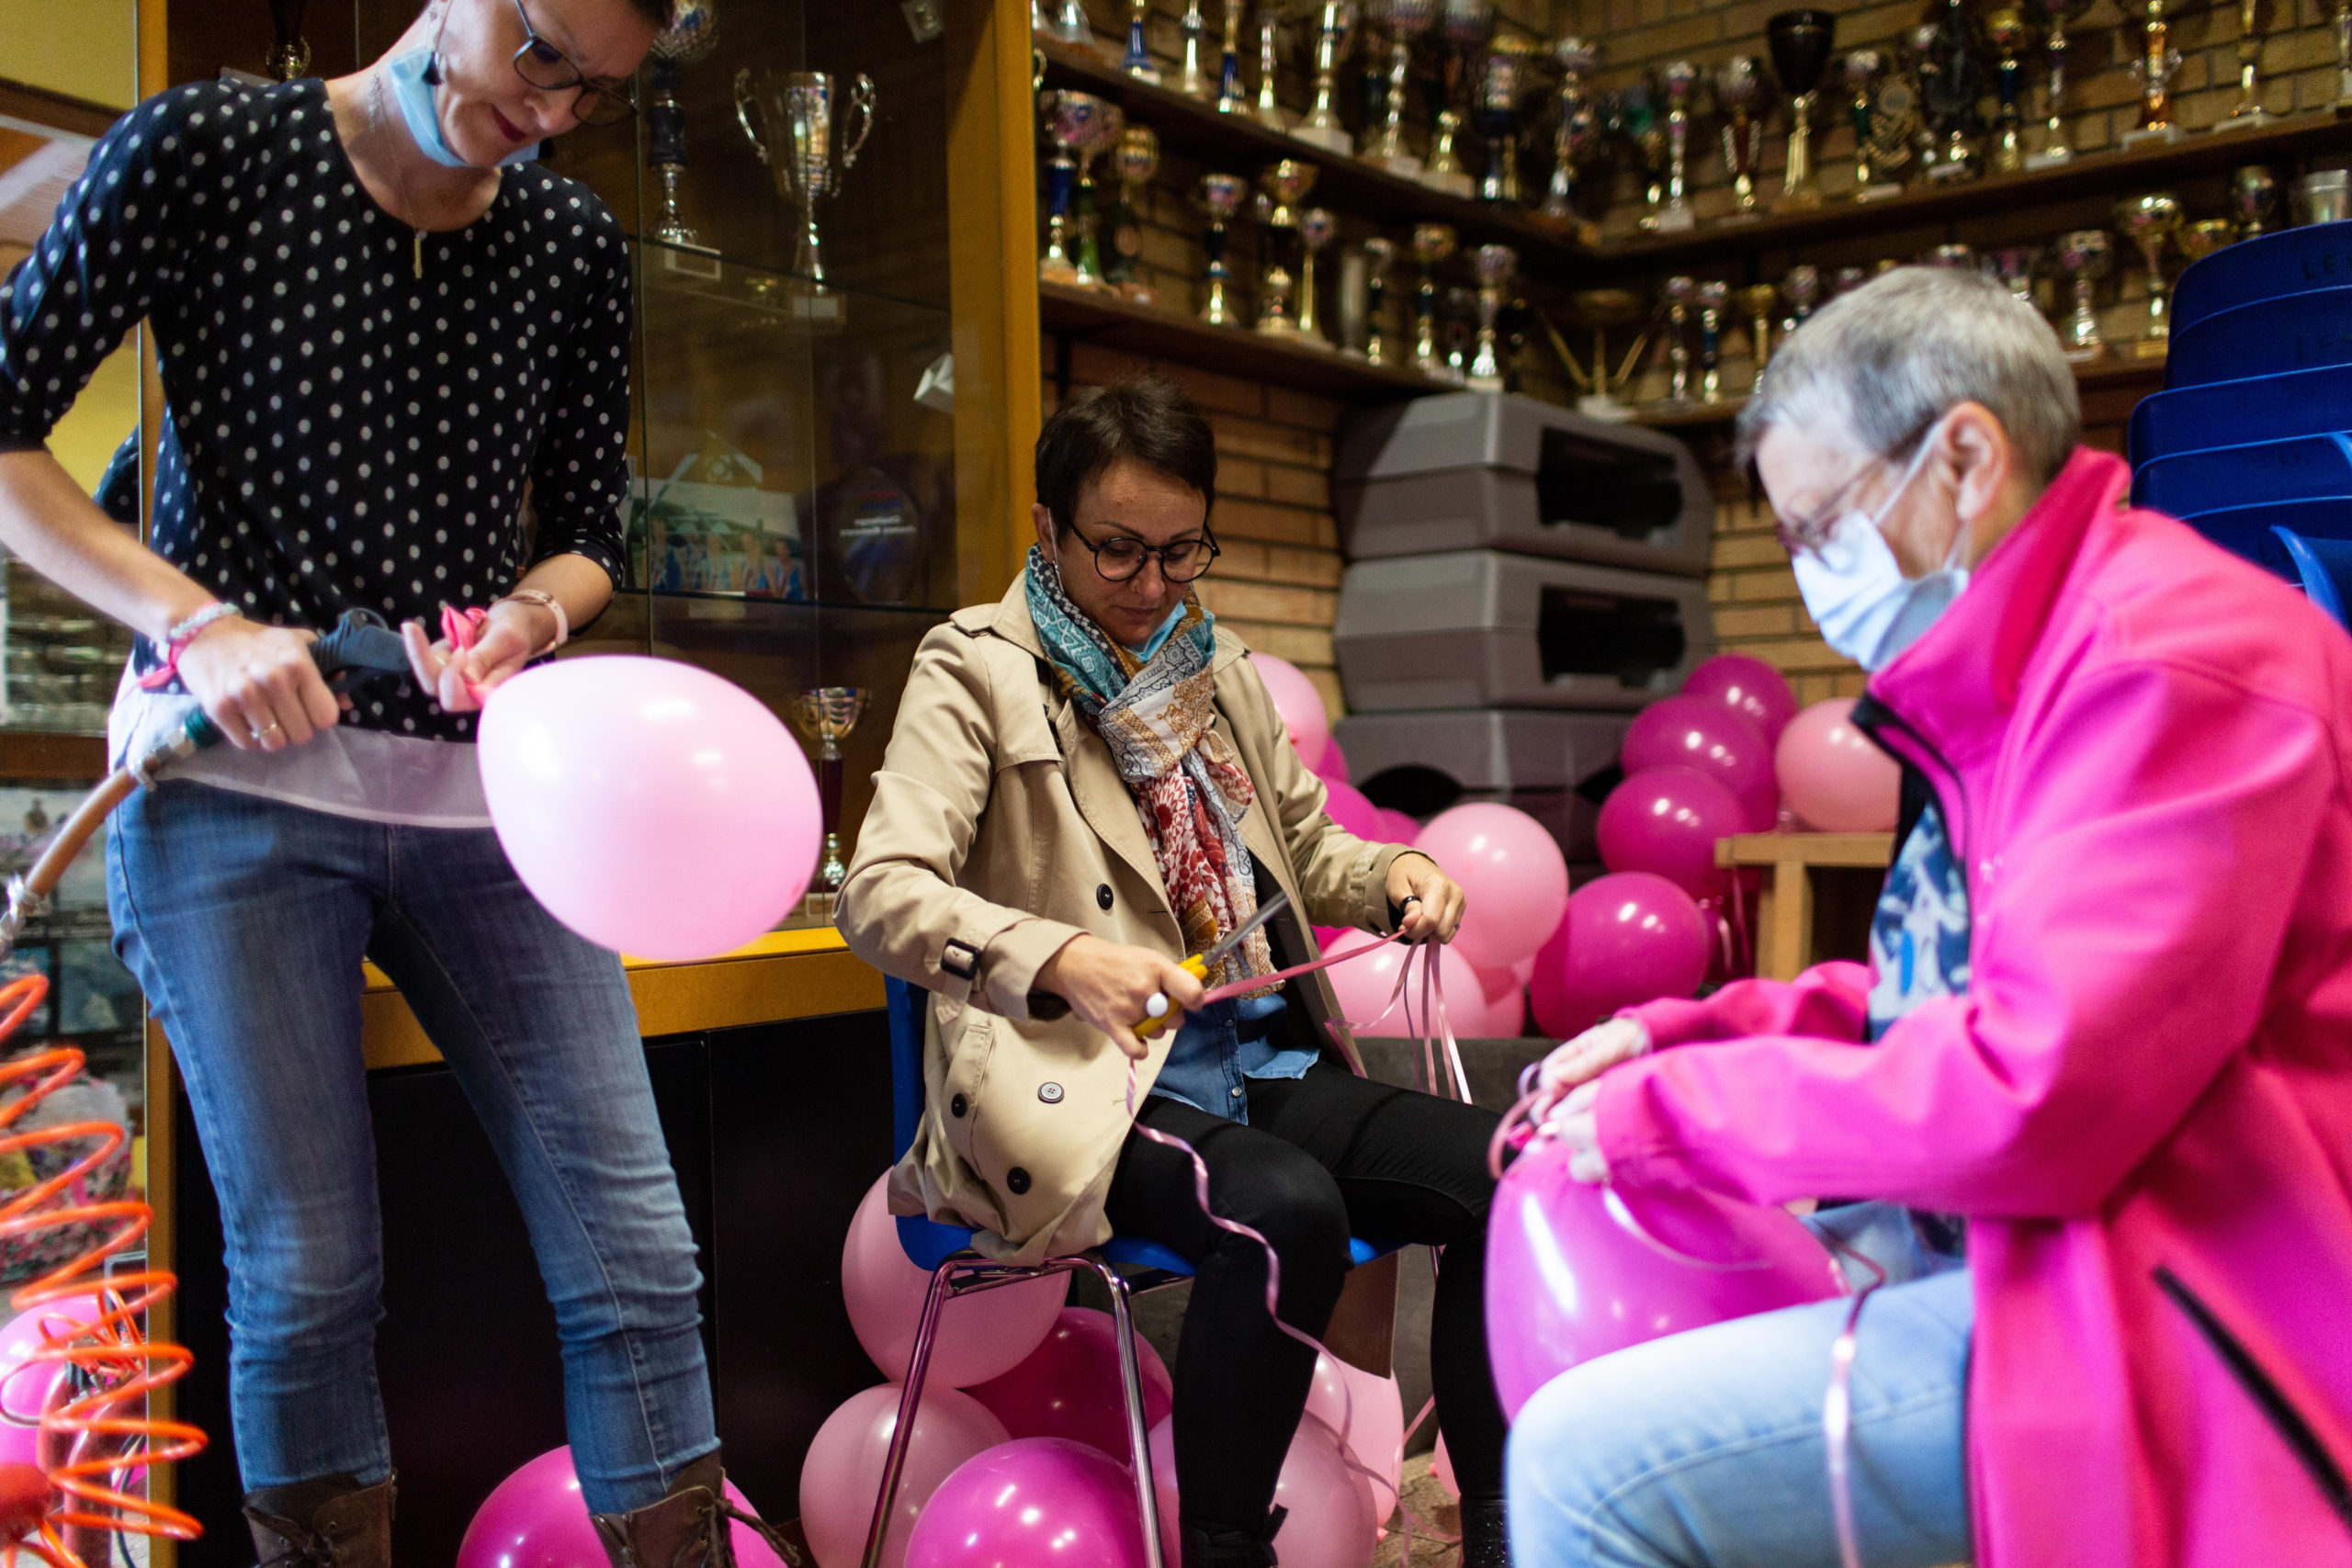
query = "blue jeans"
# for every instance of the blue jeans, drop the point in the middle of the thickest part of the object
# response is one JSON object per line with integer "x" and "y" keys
{"x": 245, "y": 921}
{"x": 1704, "y": 1449}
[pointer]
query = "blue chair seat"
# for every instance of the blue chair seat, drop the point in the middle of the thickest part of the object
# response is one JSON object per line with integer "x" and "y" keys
{"x": 2230, "y": 414}
{"x": 2326, "y": 566}
{"x": 2263, "y": 337}
{"x": 2316, "y": 255}
{"x": 2259, "y": 473}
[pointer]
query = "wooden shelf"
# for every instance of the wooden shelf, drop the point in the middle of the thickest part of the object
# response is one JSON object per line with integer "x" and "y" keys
{"x": 1163, "y": 333}
{"x": 2119, "y": 370}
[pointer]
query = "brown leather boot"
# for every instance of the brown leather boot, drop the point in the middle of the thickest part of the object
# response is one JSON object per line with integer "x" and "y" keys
{"x": 328, "y": 1522}
{"x": 688, "y": 1527}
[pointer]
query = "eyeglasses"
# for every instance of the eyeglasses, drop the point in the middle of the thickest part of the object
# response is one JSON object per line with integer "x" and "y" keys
{"x": 1812, "y": 531}
{"x": 551, "y": 70}
{"x": 1119, "y": 557}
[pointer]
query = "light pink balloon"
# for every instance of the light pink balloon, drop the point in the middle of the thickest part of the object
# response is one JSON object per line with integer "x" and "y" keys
{"x": 1442, "y": 1466}
{"x": 1513, "y": 873}
{"x": 1301, "y": 706}
{"x": 1330, "y": 1523}
{"x": 1333, "y": 768}
{"x": 652, "y": 806}
{"x": 1702, "y": 733}
{"x": 1524, "y": 970}
{"x": 1070, "y": 1385}
{"x": 1836, "y": 778}
{"x": 1348, "y": 807}
{"x": 1506, "y": 998}
{"x": 1032, "y": 1503}
{"x": 1746, "y": 685}
{"x": 535, "y": 1518}
{"x": 1667, "y": 821}
{"x": 1363, "y": 986}
{"x": 980, "y": 1337}
{"x": 1368, "y": 1419}
{"x": 1395, "y": 826}
{"x": 842, "y": 1475}
{"x": 1629, "y": 937}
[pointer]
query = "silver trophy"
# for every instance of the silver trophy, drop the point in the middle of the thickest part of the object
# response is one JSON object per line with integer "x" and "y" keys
{"x": 1493, "y": 265}
{"x": 1682, "y": 291}
{"x": 798, "y": 138}
{"x": 1575, "y": 136}
{"x": 1740, "y": 96}
{"x": 692, "y": 34}
{"x": 2084, "y": 255}
{"x": 2055, "y": 48}
{"x": 1681, "y": 80}
{"x": 826, "y": 715}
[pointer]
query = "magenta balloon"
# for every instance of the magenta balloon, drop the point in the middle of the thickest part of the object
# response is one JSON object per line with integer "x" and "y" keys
{"x": 1575, "y": 1271}
{"x": 1667, "y": 820}
{"x": 1396, "y": 827}
{"x": 842, "y": 1475}
{"x": 1299, "y": 704}
{"x": 1348, "y": 807}
{"x": 1070, "y": 1386}
{"x": 1628, "y": 938}
{"x": 1512, "y": 872}
{"x": 1749, "y": 686}
{"x": 1333, "y": 768}
{"x": 1032, "y": 1503}
{"x": 1836, "y": 779}
{"x": 535, "y": 1518}
{"x": 1702, "y": 733}
{"x": 25, "y": 1388}
{"x": 981, "y": 1335}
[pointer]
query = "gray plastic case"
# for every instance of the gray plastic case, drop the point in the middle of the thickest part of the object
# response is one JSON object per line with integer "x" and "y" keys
{"x": 1529, "y": 759}
{"x": 1481, "y": 629}
{"x": 1490, "y": 470}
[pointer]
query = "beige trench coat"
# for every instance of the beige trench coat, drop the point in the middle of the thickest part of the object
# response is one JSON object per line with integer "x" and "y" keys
{"x": 1000, "y": 829}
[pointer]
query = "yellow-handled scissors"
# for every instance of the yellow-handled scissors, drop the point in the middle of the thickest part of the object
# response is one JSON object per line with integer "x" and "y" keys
{"x": 1199, "y": 963}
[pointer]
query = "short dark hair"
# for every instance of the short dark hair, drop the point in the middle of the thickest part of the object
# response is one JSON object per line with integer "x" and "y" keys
{"x": 1149, "y": 420}
{"x": 661, "y": 13}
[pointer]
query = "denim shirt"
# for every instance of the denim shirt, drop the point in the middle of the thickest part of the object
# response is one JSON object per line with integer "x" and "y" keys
{"x": 1222, "y": 1044}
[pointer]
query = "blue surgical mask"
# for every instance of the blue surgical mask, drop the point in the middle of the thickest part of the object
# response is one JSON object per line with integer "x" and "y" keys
{"x": 414, "y": 96}
{"x": 1153, "y": 643}
{"x": 1855, "y": 589}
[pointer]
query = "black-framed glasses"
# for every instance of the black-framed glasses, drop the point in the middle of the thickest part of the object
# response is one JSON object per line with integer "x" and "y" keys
{"x": 1120, "y": 556}
{"x": 551, "y": 70}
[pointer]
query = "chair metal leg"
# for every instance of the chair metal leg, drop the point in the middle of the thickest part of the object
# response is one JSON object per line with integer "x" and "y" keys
{"x": 1138, "y": 1436}
{"x": 901, "y": 1434}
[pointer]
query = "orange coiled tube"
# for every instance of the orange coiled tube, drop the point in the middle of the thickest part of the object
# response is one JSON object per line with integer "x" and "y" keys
{"x": 90, "y": 1438}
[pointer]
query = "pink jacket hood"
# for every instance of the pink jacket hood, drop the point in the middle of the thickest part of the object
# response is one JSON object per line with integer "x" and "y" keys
{"x": 2143, "y": 1106}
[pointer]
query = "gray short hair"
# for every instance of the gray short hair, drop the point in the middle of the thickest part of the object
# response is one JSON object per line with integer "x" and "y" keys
{"x": 1881, "y": 362}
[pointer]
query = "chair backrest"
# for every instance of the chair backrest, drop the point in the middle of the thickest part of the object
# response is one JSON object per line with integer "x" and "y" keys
{"x": 2326, "y": 566}
{"x": 906, "y": 1062}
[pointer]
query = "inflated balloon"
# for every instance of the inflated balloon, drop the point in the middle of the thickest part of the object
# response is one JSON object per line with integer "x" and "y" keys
{"x": 1367, "y": 1415}
{"x": 1441, "y": 1467}
{"x": 1505, "y": 995}
{"x": 1330, "y": 1522}
{"x": 1702, "y": 733}
{"x": 981, "y": 1335}
{"x": 1032, "y": 1503}
{"x": 652, "y": 806}
{"x": 1300, "y": 704}
{"x": 1512, "y": 872}
{"x": 1574, "y": 1271}
{"x": 1333, "y": 768}
{"x": 1348, "y": 807}
{"x": 1667, "y": 820}
{"x": 1628, "y": 938}
{"x": 1396, "y": 827}
{"x": 842, "y": 1475}
{"x": 1070, "y": 1386}
{"x": 535, "y": 1518}
{"x": 1363, "y": 987}
{"x": 1749, "y": 686}
{"x": 1836, "y": 780}
{"x": 27, "y": 1388}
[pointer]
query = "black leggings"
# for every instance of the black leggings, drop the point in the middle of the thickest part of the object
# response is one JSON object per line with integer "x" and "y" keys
{"x": 1324, "y": 1157}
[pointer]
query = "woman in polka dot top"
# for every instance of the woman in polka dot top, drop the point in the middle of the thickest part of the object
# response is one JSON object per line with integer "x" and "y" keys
{"x": 386, "y": 339}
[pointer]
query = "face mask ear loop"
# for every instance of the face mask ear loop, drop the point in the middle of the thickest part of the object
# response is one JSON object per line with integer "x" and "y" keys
{"x": 431, "y": 74}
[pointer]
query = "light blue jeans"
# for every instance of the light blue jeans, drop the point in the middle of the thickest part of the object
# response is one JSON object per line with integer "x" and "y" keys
{"x": 245, "y": 921}
{"x": 1704, "y": 1449}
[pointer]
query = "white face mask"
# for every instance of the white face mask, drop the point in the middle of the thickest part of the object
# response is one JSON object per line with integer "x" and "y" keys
{"x": 1855, "y": 589}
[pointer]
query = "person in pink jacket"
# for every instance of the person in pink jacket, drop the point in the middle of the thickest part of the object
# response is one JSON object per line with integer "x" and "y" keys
{"x": 2096, "y": 1081}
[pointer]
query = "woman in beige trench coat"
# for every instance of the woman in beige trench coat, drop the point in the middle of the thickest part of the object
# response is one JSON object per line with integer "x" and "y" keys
{"x": 1087, "y": 782}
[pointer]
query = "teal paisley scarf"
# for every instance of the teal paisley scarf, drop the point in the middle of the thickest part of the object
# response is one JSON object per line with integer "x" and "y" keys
{"x": 1155, "y": 715}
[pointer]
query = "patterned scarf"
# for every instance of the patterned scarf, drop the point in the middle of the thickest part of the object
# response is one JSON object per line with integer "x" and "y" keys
{"x": 1189, "y": 789}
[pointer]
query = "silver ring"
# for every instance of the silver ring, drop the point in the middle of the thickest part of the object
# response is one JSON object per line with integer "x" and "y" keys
{"x": 266, "y": 728}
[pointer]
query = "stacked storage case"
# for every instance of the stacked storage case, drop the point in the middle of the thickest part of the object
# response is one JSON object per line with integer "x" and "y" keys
{"x": 1522, "y": 581}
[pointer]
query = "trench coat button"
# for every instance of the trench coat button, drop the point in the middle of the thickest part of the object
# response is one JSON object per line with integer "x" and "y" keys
{"x": 1016, "y": 1181}
{"x": 1051, "y": 1093}
{"x": 1103, "y": 895}
{"x": 955, "y": 1106}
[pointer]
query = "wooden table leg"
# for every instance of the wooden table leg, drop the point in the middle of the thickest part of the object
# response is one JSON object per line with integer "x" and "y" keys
{"x": 1785, "y": 918}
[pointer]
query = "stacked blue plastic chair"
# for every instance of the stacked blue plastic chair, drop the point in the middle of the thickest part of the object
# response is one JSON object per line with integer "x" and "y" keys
{"x": 2250, "y": 441}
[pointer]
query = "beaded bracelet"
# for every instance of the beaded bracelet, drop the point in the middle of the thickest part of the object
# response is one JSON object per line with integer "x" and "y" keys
{"x": 178, "y": 637}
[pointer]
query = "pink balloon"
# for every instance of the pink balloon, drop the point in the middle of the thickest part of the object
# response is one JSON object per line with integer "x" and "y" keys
{"x": 1350, "y": 809}
{"x": 1513, "y": 873}
{"x": 1395, "y": 826}
{"x": 1630, "y": 937}
{"x": 1505, "y": 998}
{"x": 1366, "y": 1415}
{"x": 1667, "y": 820}
{"x": 1333, "y": 768}
{"x": 1301, "y": 706}
{"x": 27, "y": 1389}
{"x": 1032, "y": 1503}
{"x": 842, "y": 1475}
{"x": 652, "y": 806}
{"x": 1325, "y": 935}
{"x": 1070, "y": 1385}
{"x": 1524, "y": 970}
{"x": 1836, "y": 780}
{"x": 1702, "y": 733}
{"x": 980, "y": 1337}
{"x": 1330, "y": 1523}
{"x": 1442, "y": 1466}
{"x": 1575, "y": 1271}
{"x": 1749, "y": 686}
{"x": 535, "y": 1518}
{"x": 1362, "y": 985}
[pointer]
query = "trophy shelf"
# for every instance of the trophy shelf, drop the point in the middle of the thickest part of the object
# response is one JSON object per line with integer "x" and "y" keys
{"x": 1156, "y": 333}
{"x": 2143, "y": 376}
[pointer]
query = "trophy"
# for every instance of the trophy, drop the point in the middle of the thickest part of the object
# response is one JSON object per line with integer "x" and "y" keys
{"x": 796, "y": 109}
{"x": 2150, "y": 222}
{"x": 1954, "y": 257}
{"x": 2084, "y": 255}
{"x": 2322, "y": 195}
{"x": 1681, "y": 78}
{"x": 1739, "y": 91}
{"x": 1134, "y": 161}
{"x": 1221, "y": 198}
{"x": 1798, "y": 42}
{"x": 2154, "y": 70}
{"x": 1403, "y": 20}
{"x": 1884, "y": 115}
{"x": 826, "y": 715}
{"x": 1335, "y": 40}
{"x": 1105, "y": 135}
{"x": 2055, "y": 150}
{"x": 1680, "y": 293}
{"x": 1951, "y": 82}
{"x": 1463, "y": 29}
{"x": 2005, "y": 30}
{"x": 1602, "y": 309}
{"x": 1067, "y": 26}
{"x": 1192, "y": 79}
{"x": 2254, "y": 196}
{"x": 1494, "y": 113}
{"x": 2204, "y": 237}
{"x": 2249, "y": 110}
{"x": 1230, "y": 99}
{"x": 2013, "y": 265}
{"x": 288, "y": 59}
{"x": 1460, "y": 313}
{"x": 1800, "y": 291}
{"x": 1316, "y": 228}
{"x": 1433, "y": 242}
{"x": 1138, "y": 61}
{"x": 692, "y": 34}
{"x": 1078, "y": 124}
{"x": 1573, "y": 140}
{"x": 1711, "y": 299}
{"x": 1849, "y": 278}
{"x": 1285, "y": 184}
{"x": 1755, "y": 302}
{"x": 1379, "y": 254}
{"x": 1269, "y": 111}
{"x": 1492, "y": 264}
